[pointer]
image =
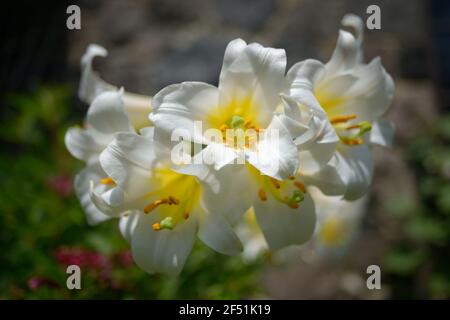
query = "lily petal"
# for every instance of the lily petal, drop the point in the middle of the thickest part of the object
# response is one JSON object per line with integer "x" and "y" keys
{"x": 91, "y": 85}
{"x": 127, "y": 224}
{"x": 355, "y": 166}
{"x": 283, "y": 226}
{"x": 253, "y": 71}
{"x": 82, "y": 189}
{"x": 382, "y": 132}
{"x": 163, "y": 251}
{"x": 276, "y": 153}
{"x": 178, "y": 106}
{"x": 216, "y": 232}
{"x": 82, "y": 145}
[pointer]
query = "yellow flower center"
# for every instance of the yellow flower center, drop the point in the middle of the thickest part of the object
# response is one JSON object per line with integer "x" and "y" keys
{"x": 290, "y": 192}
{"x": 238, "y": 123}
{"x": 349, "y": 133}
{"x": 333, "y": 232}
{"x": 176, "y": 197}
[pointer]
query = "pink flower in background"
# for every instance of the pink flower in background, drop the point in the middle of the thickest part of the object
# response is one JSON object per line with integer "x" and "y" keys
{"x": 61, "y": 184}
{"x": 83, "y": 258}
{"x": 35, "y": 283}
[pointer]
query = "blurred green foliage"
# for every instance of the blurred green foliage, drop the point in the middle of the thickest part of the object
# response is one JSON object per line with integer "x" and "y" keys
{"x": 40, "y": 215}
{"x": 419, "y": 264}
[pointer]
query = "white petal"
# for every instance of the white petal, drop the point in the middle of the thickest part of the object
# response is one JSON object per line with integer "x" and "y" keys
{"x": 284, "y": 226}
{"x": 382, "y": 132}
{"x": 355, "y": 166}
{"x": 370, "y": 96}
{"x": 216, "y": 232}
{"x": 276, "y": 153}
{"x": 128, "y": 160}
{"x": 217, "y": 154}
{"x": 178, "y": 106}
{"x": 127, "y": 224}
{"x": 110, "y": 202}
{"x": 356, "y": 23}
{"x": 318, "y": 152}
{"x": 82, "y": 145}
{"x": 91, "y": 85}
{"x": 229, "y": 191}
{"x": 346, "y": 55}
{"x": 253, "y": 71}
{"x": 163, "y": 251}
{"x": 82, "y": 190}
{"x": 107, "y": 116}
{"x": 326, "y": 179}
{"x": 301, "y": 80}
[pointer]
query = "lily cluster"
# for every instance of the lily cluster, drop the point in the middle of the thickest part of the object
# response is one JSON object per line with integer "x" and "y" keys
{"x": 326, "y": 116}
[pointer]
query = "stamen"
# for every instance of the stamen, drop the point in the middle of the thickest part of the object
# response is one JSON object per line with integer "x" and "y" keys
{"x": 295, "y": 199}
{"x": 155, "y": 204}
{"x": 275, "y": 183}
{"x": 248, "y": 123}
{"x": 300, "y": 186}
{"x": 107, "y": 180}
{"x": 355, "y": 126}
{"x": 173, "y": 200}
{"x": 291, "y": 178}
{"x": 352, "y": 141}
{"x": 186, "y": 215}
{"x": 156, "y": 226}
{"x": 262, "y": 195}
{"x": 223, "y": 127}
{"x": 342, "y": 119}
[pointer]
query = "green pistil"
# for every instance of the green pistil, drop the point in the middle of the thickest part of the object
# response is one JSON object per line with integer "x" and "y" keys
{"x": 296, "y": 198}
{"x": 167, "y": 223}
{"x": 237, "y": 122}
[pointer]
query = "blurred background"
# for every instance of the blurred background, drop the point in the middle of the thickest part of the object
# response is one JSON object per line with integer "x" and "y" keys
{"x": 153, "y": 43}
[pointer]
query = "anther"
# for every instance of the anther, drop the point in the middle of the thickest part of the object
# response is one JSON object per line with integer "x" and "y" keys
{"x": 300, "y": 186}
{"x": 155, "y": 204}
{"x": 262, "y": 195}
{"x": 107, "y": 180}
{"x": 352, "y": 141}
{"x": 173, "y": 200}
{"x": 275, "y": 183}
{"x": 156, "y": 226}
{"x": 342, "y": 119}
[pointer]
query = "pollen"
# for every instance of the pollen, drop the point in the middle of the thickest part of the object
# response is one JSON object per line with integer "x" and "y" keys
{"x": 186, "y": 215}
{"x": 275, "y": 183}
{"x": 342, "y": 119}
{"x": 262, "y": 195}
{"x": 107, "y": 181}
{"x": 291, "y": 178}
{"x": 173, "y": 200}
{"x": 156, "y": 226}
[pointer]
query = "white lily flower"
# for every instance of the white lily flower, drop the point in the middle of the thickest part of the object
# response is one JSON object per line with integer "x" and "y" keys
{"x": 250, "y": 90}
{"x": 338, "y": 222}
{"x": 136, "y": 106}
{"x": 111, "y": 110}
{"x": 351, "y": 97}
{"x": 105, "y": 117}
{"x": 163, "y": 205}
